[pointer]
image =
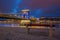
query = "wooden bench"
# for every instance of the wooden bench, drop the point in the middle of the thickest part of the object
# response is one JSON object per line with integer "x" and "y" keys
{"x": 45, "y": 25}
{"x": 34, "y": 24}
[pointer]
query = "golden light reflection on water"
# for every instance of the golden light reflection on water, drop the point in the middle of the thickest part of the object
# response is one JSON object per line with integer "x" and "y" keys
{"x": 16, "y": 23}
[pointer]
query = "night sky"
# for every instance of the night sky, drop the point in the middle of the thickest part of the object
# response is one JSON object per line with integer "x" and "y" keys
{"x": 38, "y": 8}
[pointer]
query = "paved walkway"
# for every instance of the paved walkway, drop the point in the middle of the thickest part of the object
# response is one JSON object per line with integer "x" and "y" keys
{"x": 17, "y": 33}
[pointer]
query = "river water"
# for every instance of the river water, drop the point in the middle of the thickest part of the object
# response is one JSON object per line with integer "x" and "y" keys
{"x": 9, "y": 25}
{"x": 17, "y": 25}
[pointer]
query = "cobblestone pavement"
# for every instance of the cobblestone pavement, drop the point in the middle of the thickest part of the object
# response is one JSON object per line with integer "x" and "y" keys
{"x": 17, "y": 33}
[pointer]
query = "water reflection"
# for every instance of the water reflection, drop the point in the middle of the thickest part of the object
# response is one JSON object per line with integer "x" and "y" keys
{"x": 9, "y": 25}
{"x": 18, "y": 25}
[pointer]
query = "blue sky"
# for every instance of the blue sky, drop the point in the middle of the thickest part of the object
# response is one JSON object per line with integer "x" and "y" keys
{"x": 38, "y": 8}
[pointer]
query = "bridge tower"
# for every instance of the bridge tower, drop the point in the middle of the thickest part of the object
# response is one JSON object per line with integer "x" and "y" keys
{"x": 25, "y": 14}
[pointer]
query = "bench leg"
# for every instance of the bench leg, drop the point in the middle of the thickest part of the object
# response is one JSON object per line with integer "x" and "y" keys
{"x": 28, "y": 29}
{"x": 51, "y": 32}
